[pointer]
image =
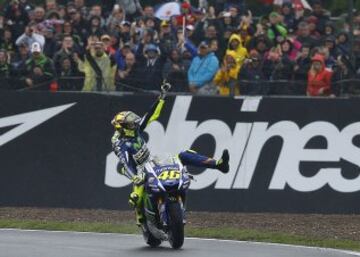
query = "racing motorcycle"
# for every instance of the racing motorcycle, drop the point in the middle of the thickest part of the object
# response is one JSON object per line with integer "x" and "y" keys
{"x": 166, "y": 185}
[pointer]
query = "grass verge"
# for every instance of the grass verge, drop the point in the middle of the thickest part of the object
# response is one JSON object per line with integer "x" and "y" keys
{"x": 219, "y": 233}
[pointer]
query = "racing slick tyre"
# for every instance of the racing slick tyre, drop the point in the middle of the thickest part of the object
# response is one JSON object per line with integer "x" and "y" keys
{"x": 176, "y": 225}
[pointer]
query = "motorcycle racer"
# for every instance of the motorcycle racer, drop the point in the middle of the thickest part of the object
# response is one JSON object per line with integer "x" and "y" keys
{"x": 131, "y": 149}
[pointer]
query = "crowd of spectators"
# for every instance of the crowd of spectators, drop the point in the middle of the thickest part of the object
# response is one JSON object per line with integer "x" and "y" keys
{"x": 215, "y": 47}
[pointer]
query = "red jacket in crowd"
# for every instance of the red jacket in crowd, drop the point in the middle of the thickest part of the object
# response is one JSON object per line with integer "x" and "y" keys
{"x": 319, "y": 83}
{"x": 189, "y": 18}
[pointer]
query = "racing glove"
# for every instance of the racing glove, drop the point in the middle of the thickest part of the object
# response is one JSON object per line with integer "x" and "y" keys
{"x": 138, "y": 179}
{"x": 165, "y": 87}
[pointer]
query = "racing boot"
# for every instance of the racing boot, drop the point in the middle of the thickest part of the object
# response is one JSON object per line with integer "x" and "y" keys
{"x": 134, "y": 203}
{"x": 133, "y": 200}
{"x": 223, "y": 163}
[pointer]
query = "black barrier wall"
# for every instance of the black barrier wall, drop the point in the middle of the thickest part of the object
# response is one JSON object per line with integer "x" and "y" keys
{"x": 287, "y": 155}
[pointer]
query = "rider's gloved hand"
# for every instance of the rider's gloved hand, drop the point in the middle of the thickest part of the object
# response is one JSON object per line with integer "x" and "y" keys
{"x": 165, "y": 87}
{"x": 138, "y": 179}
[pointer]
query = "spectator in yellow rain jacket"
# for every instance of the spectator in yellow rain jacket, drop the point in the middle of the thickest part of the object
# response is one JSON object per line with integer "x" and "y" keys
{"x": 226, "y": 77}
{"x": 99, "y": 69}
{"x": 236, "y": 45}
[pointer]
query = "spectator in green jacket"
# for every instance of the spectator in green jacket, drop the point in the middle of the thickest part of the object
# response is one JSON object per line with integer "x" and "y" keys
{"x": 277, "y": 30}
{"x": 40, "y": 71}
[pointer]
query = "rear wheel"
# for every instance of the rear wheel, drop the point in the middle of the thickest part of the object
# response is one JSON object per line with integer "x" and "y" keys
{"x": 148, "y": 237}
{"x": 176, "y": 225}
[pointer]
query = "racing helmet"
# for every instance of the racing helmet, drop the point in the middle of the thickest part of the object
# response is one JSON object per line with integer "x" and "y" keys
{"x": 126, "y": 123}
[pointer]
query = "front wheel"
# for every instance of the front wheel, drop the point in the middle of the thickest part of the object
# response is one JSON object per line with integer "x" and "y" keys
{"x": 176, "y": 225}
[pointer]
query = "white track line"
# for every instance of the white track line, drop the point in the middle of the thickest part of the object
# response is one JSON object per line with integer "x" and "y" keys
{"x": 191, "y": 238}
{"x": 277, "y": 244}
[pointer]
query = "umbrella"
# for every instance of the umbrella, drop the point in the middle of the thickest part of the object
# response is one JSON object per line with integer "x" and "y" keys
{"x": 297, "y": 4}
{"x": 165, "y": 11}
{"x": 302, "y": 4}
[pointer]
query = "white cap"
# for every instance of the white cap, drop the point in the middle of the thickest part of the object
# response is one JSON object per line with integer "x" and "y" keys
{"x": 227, "y": 14}
{"x": 190, "y": 27}
{"x": 35, "y": 48}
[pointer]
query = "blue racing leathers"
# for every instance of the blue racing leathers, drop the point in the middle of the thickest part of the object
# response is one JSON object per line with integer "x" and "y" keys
{"x": 133, "y": 151}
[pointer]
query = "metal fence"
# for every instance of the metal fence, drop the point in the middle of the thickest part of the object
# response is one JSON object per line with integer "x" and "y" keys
{"x": 347, "y": 87}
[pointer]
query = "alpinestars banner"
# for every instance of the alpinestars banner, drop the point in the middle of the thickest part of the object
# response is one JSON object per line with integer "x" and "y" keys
{"x": 286, "y": 155}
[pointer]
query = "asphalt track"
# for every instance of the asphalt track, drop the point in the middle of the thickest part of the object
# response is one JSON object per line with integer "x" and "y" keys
{"x": 30, "y": 243}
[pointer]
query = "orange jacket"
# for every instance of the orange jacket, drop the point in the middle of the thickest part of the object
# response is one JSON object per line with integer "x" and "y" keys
{"x": 319, "y": 81}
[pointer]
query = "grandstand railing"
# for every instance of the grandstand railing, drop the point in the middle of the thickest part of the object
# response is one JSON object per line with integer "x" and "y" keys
{"x": 346, "y": 87}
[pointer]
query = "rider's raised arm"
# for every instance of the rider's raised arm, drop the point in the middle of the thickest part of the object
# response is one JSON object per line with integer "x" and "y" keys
{"x": 152, "y": 114}
{"x": 156, "y": 108}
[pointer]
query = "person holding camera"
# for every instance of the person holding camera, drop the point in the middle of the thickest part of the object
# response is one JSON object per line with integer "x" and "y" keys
{"x": 98, "y": 67}
{"x": 251, "y": 75}
{"x": 226, "y": 77}
{"x": 67, "y": 51}
{"x": 31, "y": 36}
